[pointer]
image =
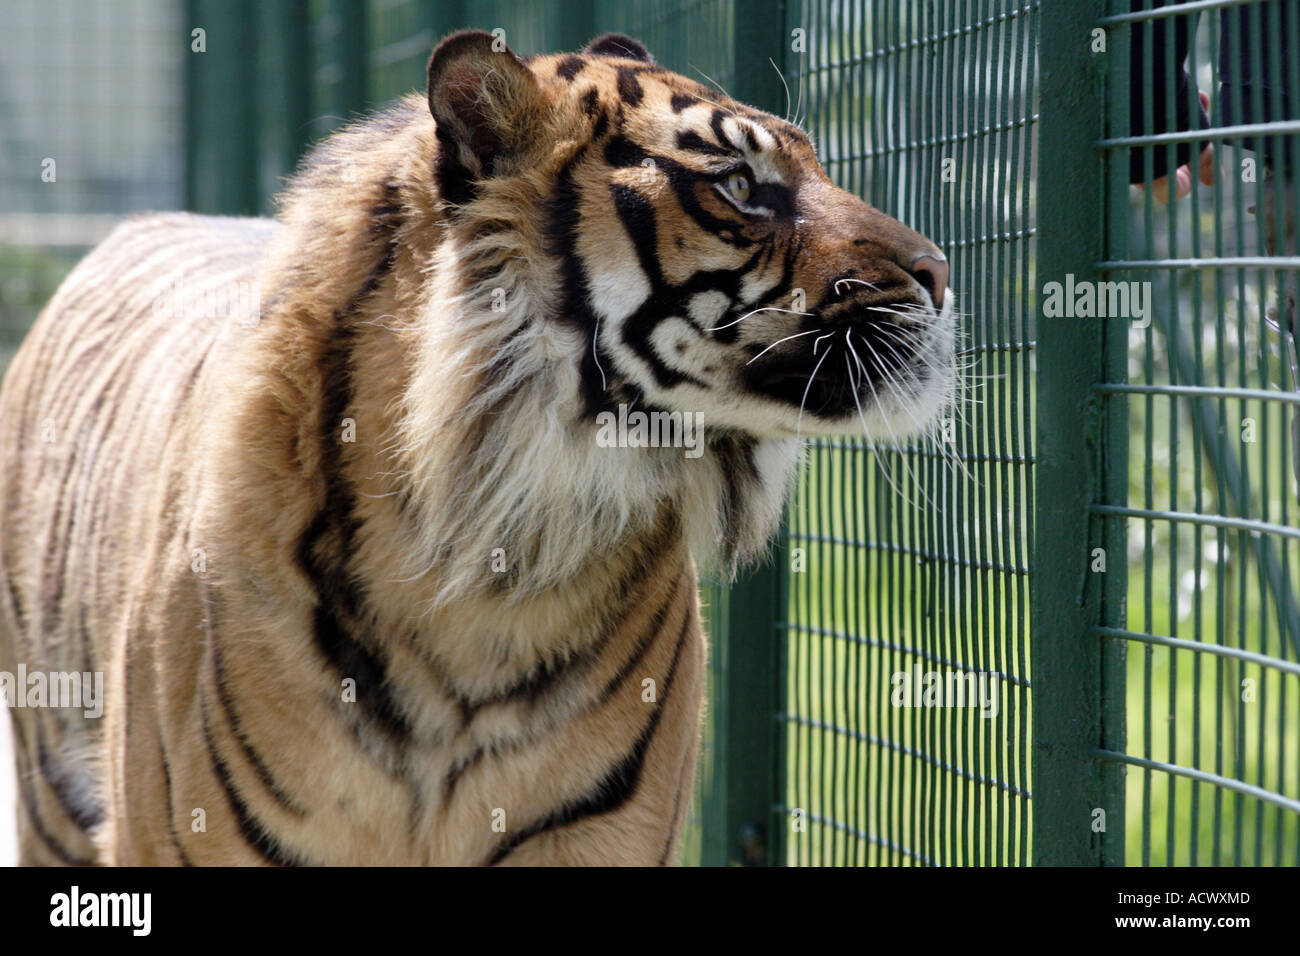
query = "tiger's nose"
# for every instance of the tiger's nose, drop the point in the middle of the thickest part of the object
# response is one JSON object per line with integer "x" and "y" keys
{"x": 931, "y": 270}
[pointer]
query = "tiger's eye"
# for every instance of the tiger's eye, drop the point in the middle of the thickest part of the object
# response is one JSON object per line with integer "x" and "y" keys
{"x": 738, "y": 187}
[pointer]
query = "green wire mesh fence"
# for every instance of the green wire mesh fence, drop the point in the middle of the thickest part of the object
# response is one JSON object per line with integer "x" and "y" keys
{"x": 1128, "y": 474}
{"x": 909, "y": 565}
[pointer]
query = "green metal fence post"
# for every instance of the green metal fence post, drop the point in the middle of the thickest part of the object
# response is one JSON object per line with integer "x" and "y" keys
{"x": 579, "y": 24}
{"x": 221, "y": 134}
{"x": 1078, "y": 688}
{"x": 193, "y": 140}
{"x": 283, "y": 66}
{"x": 746, "y": 651}
{"x": 345, "y": 72}
{"x": 444, "y": 16}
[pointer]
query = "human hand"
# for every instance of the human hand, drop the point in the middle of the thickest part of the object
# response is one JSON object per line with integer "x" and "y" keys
{"x": 1164, "y": 191}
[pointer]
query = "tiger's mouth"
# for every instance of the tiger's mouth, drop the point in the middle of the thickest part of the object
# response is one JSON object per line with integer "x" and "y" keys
{"x": 876, "y": 373}
{"x": 792, "y": 381}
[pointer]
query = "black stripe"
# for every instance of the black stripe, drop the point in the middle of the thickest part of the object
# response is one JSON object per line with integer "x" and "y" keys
{"x": 51, "y": 844}
{"x": 341, "y": 603}
{"x": 338, "y": 597}
{"x": 16, "y": 600}
{"x": 617, "y": 787}
{"x": 695, "y": 143}
{"x": 643, "y": 644}
{"x": 569, "y": 67}
{"x": 456, "y": 184}
{"x": 565, "y": 223}
{"x": 28, "y": 798}
{"x": 715, "y": 123}
{"x": 460, "y": 767}
{"x": 642, "y": 227}
{"x": 638, "y": 219}
{"x": 171, "y": 807}
{"x": 255, "y": 832}
{"x": 629, "y": 87}
{"x": 735, "y": 456}
{"x": 621, "y": 45}
{"x": 665, "y": 301}
{"x": 57, "y": 779}
{"x": 641, "y": 570}
{"x": 681, "y": 101}
{"x": 528, "y": 689}
{"x": 677, "y": 806}
{"x": 236, "y": 728}
{"x": 548, "y": 671}
{"x": 622, "y": 152}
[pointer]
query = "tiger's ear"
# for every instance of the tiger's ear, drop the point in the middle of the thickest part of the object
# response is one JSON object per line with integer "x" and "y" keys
{"x": 616, "y": 44}
{"x": 486, "y": 102}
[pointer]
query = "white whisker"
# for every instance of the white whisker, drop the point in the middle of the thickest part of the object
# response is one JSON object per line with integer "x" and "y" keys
{"x": 870, "y": 285}
{"x": 595, "y": 354}
{"x": 785, "y": 84}
{"x": 798, "y": 429}
{"x": 718, "y": 85}
{"x": 766, "y": 308}
{"x": 885, "y": 419}
{"x": 866, "y": 432}
{"x": 778, "y": 342}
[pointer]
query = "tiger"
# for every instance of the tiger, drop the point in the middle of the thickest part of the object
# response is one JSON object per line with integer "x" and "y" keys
{"x": 321, "y": 499}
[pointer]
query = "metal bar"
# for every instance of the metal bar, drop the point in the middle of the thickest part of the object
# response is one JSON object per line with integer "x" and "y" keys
{"x": 1115, "y": 469}
{"x": 1199, "y": 647}
{"x": 1221, "y": 262}
{"x": 1227, "y": 783}
{"x": 578, "y": 26}
{"x": 192, "y": 135}
{"x": 349, "y": 61}
{"x": 863, "y": 835}
{"x": 1214, "y": 132}
{"x": 893, "y": 548}
{"x": 283, "y": 64}
{"x": 1217, "y": 521}
{"x": 222, "y": 166}
{"x": 1200, "y": 391}
{"x": 1069, "y": 600}
{"x": 1173, "y": 10}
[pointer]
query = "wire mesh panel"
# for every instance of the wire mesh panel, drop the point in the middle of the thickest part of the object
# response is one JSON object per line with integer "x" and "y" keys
{"x": 906, "y": 658}
{"x": 1213, "y": 623}
{"x": 90, "y": 129}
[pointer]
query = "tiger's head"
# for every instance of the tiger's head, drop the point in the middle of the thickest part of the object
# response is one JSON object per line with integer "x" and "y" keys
{"x": 695, "y": 244}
